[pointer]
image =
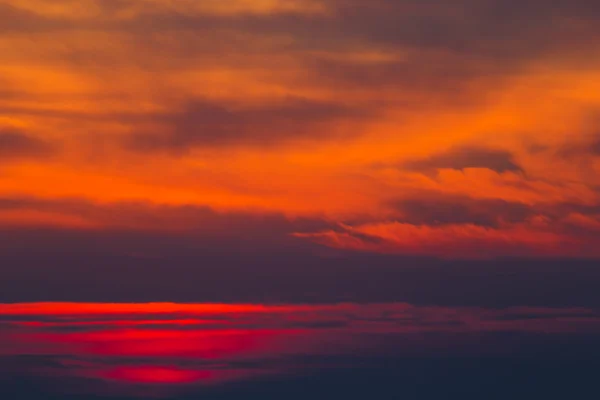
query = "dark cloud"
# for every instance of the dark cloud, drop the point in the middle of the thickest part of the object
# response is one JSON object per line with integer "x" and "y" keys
{"x": 443, "y": 209}
{"x": 563, "y": 209}
{"x": 196, "y": 223}
{"x": 416, "y": 71}
{"x": 492, "y": 30}
{"x": 462, "y": 158}
{"x": 444, "y": 44}
{"x": 581, "y": 145}
{"x": 591, "y": 148}
{"x": 207, "y": 124}
{"x": 15, "y": 145}
{"x": 438, "y": 209}
{"x": 595, "y": 148}
{"x": 17, "y": 20}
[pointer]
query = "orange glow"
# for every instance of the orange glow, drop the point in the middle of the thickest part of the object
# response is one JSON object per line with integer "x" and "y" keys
{"x": 136, "y": 104}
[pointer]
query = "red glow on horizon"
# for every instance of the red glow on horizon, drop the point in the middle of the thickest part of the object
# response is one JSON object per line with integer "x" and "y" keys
{"x": 186, "y": 322}
{"x": 130, "y": 308}
{"x": 156, "y": 374}
{"x": 209, "y": 344}
{"x": 175, "y": 344}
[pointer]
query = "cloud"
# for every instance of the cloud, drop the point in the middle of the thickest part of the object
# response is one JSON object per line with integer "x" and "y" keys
{"x": 437, "y": 209}
{"x": 461, "y": 158}
{"x": 489, "y": 30}
{"x": 286, "y": 105}
{"x": 17, "y": 145}
{"x": 457, "y": 241}
{"x": 489, "y": 27}
{"x": 251, "y": 229}
{"x": 422, "y": 76}
{"x": 18, "y": 20}
{"x": 595, "y": 148}
{"x": 580, "y": 145}
{"x": 207, "y": 124}
{"x": 462, "y": 227}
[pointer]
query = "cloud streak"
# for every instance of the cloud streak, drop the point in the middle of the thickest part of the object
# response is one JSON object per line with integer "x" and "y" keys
{"x": 205, "y": 124}
{"x": 16, "y": 145}
{"x": 499, "y": 161}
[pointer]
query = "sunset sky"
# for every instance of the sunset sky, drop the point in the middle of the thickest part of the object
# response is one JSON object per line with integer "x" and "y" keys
{"x": 458, "y": 130}
{"x": 299, "y": 199}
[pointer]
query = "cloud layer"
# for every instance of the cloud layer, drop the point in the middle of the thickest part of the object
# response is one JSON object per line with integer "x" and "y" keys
{"x": 448, "y": 128}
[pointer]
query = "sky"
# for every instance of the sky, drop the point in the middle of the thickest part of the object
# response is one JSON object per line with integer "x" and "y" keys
{"x": 218, "y": 351}
{"x": 375, "y": 136}
{"x": 299, "y": 199}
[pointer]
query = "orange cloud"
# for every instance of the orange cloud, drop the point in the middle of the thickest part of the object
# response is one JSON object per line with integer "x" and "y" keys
{"x": 326, "y": 110}
{"x": 455, "y": 241}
